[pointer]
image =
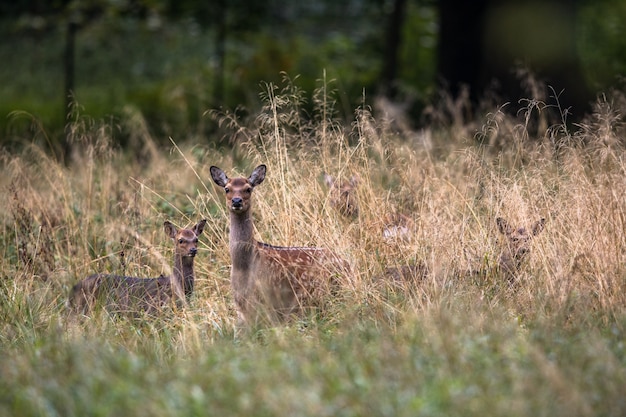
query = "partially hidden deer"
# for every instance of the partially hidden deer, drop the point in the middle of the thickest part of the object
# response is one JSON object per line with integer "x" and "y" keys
{"x": 343, "y": 198}
{"x": 271, "y": 283}
{"x": 132, "y": 295}
{"x": 516, "y": 246}
{"x": 404, "y": 277}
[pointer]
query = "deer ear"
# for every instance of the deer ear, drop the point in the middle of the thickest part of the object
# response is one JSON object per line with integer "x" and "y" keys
{"x": 538, "y": 226}
{"x": 219, "y": 177}
{"x": 199, "y": 227}
{"x": 257, "y": 176}
{"x": 170, "y": 229}
{"x": 503, "y": 226}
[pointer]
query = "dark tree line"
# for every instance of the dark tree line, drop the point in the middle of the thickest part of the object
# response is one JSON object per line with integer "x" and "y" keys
{"x": 480, "y": 42}
{"x": 483, "y": 41}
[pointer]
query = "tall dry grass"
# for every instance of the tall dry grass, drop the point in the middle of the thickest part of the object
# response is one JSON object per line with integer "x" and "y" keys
{"x": 103, "y": 213}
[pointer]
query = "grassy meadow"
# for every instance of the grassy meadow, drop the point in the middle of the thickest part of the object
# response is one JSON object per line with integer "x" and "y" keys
{"x": 552, "y": 343}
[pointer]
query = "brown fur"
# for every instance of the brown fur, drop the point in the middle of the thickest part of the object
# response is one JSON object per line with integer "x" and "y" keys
{"x": 121, "y": 294}
{"x": 343, "y": 196}
{"x": 405, "y": 277}
{"x": 517, "y": 246}
{"x": 271, "y": 283}
{"x": 397, "y": 226}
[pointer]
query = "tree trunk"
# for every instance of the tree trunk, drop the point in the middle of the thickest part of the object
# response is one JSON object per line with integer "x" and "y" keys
{"x": 392, "y": 48}
{"x": 460, "y": 51}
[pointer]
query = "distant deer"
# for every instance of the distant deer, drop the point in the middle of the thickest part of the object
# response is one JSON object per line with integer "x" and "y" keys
{"x": 404, "y": 277}
{"x": 517, "y": 246}
{"x": 343, "y": 198}
{"x": 271, "y": 283}
{"x": 121, "y": 294}
{"x": 343, "y": 195}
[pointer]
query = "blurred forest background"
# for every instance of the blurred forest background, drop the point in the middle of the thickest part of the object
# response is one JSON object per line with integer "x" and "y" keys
{"x": 168, "y": 62}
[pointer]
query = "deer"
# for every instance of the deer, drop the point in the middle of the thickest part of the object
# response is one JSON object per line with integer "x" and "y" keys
{"x": 514, "y": 251}
{"x": 343, "y": 198}
{"x": 271, "y": 284}
{"x": 133, "y": 295}
{"x": 343, "y": 195}
{"x": 404, "y": 277}
{"x": 517, "y": 246}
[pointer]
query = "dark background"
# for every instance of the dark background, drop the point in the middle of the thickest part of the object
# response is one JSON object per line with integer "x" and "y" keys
{"x": 170, "y": 61}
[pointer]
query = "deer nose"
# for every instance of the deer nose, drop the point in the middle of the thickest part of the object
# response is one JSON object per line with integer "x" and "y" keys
{"x": 236, "y": 202}
{"x": 193, "y": 251}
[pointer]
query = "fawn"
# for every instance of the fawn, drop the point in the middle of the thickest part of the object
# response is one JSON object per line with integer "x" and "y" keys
{"x": 405, "y": 277}
{"x": 343, "y": 198}
{"x": 271, "y": 283}
{"x": 517, "y": 247}
{"x": 122, "y": 294}
{"x": 343, "y": 195}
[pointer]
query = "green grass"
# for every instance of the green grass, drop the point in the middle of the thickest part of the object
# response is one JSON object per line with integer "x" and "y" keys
{"x": 455, "y": 344}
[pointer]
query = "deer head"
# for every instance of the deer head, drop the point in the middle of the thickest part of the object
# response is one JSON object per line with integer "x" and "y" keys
{"x": 517, "y": 245}
{"x": 238, "y": 190}
{"x": 343, "y": 195}
{"x": 185, "y": 240}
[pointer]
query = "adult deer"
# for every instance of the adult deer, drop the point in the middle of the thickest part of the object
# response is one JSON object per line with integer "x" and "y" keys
{"x": 122, "y": 294}
{"x": 271, "y": 283}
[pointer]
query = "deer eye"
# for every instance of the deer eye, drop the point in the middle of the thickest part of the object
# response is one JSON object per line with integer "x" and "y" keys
{"x": 195, "y": 240}
{"x": 181, "y": 241}
{"x": 227, "y": 190}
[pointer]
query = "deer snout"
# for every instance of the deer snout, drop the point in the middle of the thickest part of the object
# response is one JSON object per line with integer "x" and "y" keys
{"x": 193, "y": 251}
{"x": 522, "y": 252}
{"x": 236, "y": 203}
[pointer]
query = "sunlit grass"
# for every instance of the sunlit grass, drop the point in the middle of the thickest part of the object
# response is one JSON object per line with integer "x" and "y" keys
{"x": 456, "y": 343}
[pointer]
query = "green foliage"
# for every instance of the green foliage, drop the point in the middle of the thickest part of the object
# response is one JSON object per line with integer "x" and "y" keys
{"x": 418, "y": 53}
{"x": 168, "y": 69}
{"x": 601, "y": 44}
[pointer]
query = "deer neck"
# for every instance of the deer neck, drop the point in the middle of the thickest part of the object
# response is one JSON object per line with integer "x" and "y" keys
{"x": 242, "y": 243}
{"x": 183, "y": 273}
